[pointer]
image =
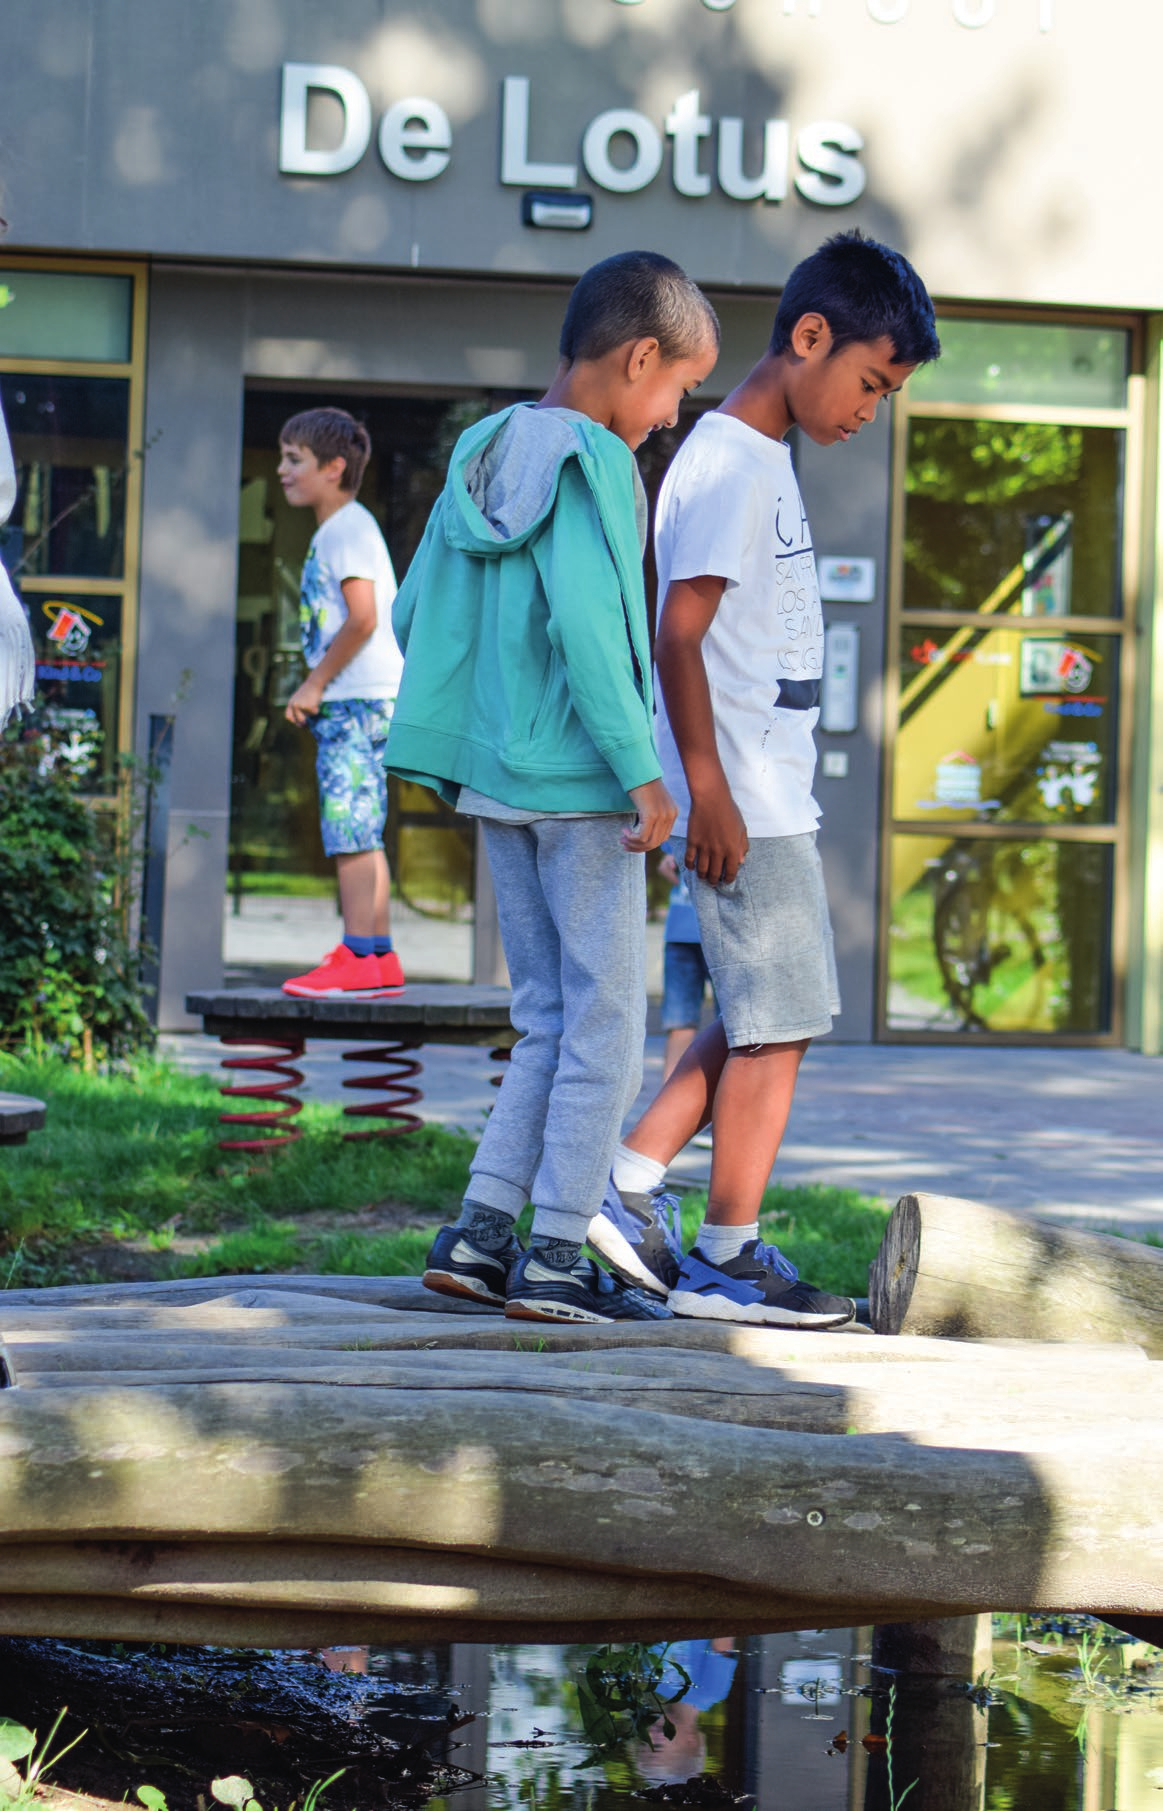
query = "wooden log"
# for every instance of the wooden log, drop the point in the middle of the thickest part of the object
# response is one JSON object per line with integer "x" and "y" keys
{"x": 265, "y": 1626}
{"x": 272, "y": 1317}
{"x": 902, "y": 1529}
{"x": 1018, "y": 1409}
{"x": 958, "y": 1270}
{"x": 313, "y": 1577}
{"x": 936, "y": 1737}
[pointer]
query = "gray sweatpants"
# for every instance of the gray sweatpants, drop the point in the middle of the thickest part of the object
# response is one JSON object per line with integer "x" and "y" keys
{"x": 572, "y": 910}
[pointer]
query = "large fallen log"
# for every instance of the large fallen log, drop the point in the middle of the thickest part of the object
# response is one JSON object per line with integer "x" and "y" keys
{"x": 889, "y": 1528}
{"x": 957, "y": 1270}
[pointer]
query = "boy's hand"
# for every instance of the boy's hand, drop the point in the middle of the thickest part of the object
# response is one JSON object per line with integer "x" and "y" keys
{"x": 304, "y": 704}
{"x": 655, "y": 821}
{"x": 716, "y": 838}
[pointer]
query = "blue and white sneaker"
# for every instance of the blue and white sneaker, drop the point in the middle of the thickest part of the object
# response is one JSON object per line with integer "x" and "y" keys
{"x": 538, "y": 1292}
{"x": 640, "y": 1236}
{"x": 759, "y": 1286}
{"x": 456, "y": 1265}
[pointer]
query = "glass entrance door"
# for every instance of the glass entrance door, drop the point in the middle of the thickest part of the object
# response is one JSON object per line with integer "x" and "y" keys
{"x": 1006, "y": 780}
{"x": 282, "y": 887}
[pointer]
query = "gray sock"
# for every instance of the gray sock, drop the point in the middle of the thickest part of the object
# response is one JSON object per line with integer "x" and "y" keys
{"x": 557, "y": 1254}
{"x": 487, "y": 1227}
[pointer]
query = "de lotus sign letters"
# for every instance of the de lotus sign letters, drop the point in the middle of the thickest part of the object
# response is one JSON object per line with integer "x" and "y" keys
{"x": 415, "y": 143}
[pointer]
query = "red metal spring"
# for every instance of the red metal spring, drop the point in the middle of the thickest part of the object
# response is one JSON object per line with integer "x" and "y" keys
{"x": 284, "y": 1104}
{"x": 394, "y": 1082}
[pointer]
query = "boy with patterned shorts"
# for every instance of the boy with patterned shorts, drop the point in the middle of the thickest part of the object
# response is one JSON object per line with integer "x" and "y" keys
{"x": 345, "y": 603}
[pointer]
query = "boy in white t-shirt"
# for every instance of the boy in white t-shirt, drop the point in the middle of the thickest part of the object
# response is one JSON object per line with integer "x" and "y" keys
{"x": 345, "y": 603}
{"x": 739, "y": 654}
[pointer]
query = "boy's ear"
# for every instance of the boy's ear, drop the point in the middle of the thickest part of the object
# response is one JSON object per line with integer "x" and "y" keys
{"x": 811, "y": 336}
{"x": 640, "y": 356}
{"x": 334, "y": 470}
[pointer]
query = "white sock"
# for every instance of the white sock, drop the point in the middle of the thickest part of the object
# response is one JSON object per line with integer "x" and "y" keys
{"x": 635, "y": 1174}
{"x": 718, "y": 1243}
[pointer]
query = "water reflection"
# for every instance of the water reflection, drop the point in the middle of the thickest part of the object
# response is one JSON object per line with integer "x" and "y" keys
{"x": 1049, "y": 1714}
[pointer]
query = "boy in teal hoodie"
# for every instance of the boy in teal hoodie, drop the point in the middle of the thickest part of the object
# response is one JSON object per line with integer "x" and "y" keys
{"x": 526, "y": 701}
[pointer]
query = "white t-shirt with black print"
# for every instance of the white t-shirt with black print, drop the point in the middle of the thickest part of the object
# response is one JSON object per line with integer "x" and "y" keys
{"x": 730, "y": 508}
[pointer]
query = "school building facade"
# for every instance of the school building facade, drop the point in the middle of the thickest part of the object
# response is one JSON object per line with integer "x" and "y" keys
{"x": 220, "y": 214}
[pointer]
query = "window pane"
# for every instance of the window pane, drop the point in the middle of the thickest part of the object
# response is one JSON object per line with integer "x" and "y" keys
{"x": 1006, "y": 725}
{"x": 1017, "y": 519}
{"x": 69, "y": 439}
{"x": 78, "y": 678}
{"x": 62, "y": 315}
{"x": 1026, "y": 362}
{"x": 999, "y": 936}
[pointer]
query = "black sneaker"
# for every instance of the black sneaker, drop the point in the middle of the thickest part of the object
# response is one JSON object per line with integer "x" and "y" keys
{"x": 640, "y": 1236}
{"x": 538, "y": 1292}
{"x": 456, "y": 1265}
{"x": 759, "y": 1286}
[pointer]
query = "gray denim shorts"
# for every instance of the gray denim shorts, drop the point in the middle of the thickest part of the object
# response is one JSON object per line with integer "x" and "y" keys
{"x": 767, "y": 938}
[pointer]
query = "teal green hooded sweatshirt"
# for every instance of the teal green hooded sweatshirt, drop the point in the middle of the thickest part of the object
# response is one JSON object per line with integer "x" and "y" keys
{"x": 522, "y": 621}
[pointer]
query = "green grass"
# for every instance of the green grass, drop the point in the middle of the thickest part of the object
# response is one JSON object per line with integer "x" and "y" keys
{"x": 134, "y": 1155}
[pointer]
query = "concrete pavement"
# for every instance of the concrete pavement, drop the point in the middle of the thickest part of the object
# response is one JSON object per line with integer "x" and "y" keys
{"x": 1070, "y": 1135}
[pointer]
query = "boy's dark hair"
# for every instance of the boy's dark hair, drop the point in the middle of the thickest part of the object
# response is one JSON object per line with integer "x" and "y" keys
{"x": 331, "y": 434}
{"x": 635, "y": 296}
{"x": 865, "y": 291}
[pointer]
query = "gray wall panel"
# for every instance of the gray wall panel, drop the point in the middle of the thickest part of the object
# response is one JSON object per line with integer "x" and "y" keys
{"x": 188, "y": 586}
{"x": 846, "y": 494}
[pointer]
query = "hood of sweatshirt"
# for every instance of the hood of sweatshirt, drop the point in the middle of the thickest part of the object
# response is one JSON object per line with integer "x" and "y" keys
{"x": 503, "y": 483}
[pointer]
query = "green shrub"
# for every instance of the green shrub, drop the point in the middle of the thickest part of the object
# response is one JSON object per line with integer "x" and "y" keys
{"x": 68, "y": 974}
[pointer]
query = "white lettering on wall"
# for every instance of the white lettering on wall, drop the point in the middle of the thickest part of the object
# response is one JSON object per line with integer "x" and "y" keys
{"x": 515, "y": 165}
{"x": 831, "y": 175}
{"x": 973, "y": 13}
{"x": 596, "y": 141}
{"x": 621, "y": 149}
{"x": 416, "y": 139}
{"x": 771, "y": 183}
{"x": 296, "y": 157}
{"x": 688, "y": 127}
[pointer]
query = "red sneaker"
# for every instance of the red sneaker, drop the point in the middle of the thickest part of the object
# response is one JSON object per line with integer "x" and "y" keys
{"x": 342, "y": 972}
{"x": 391, "y": 974}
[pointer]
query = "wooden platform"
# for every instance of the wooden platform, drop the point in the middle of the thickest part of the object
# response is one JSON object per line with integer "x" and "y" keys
{"x": 396, "y": 1025}
{"x": 318, "y": 1459}
{"x": 20, "y": 1114}
{"x": 433, "y": 1012}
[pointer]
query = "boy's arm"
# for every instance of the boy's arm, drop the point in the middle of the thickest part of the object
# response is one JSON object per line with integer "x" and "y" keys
{"x": 360, "y": 597}
{"x": 588, "y": 626}
{"x": 716, "y": 834}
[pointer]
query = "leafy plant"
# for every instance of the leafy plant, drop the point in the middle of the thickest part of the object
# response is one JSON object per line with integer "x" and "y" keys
{"x": 69, "y": 982}
{"x": 19, "y": 1744}
{"x": 235, "y": 1791}
{"x": 619, "y": 1694}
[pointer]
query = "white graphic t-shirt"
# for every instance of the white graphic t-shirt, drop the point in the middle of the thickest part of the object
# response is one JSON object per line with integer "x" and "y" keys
{"x": 730, "y": 508}
{"x": 349, "y": 545}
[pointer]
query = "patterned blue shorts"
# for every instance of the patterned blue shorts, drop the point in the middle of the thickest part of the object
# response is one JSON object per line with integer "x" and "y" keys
{"x": 349, "y": 763}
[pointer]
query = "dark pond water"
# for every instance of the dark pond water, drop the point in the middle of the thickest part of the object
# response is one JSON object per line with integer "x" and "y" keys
{"x": 1066, "y": 1715}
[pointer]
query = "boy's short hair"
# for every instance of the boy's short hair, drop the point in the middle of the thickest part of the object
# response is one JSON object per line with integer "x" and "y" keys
{"x": 635, "y": 296}
{"x": 865, "y": 291}
{"x": 331, "y": 434}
